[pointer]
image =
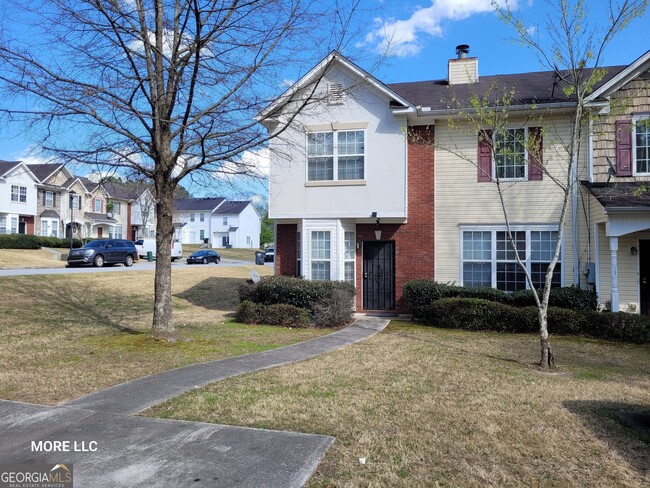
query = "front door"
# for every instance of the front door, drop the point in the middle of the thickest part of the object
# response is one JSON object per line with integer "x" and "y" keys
{"x": 100, "y": 232}
{"x": 225, "y": 240}
{"x": 22, "y": 226}
{"x": 379, "y": 275}
{"x": 644, "y": 276}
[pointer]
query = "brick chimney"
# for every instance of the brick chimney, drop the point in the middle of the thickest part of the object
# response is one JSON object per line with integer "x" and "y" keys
{"x": 462, "y": 70}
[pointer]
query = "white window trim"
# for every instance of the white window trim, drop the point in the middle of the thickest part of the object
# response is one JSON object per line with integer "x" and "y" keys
{"x": 526, "y": 162}
{"x": 352, "y": 260}
{"x": 49, "y": 203}
{"x": 97, "y": 201}
{"x": 635, "y": 119}
{"x": 335, "y": 169}
{"x": 19, "y": 194}
{"x": 493, "y": 260}
{"x": 330, "y": 260}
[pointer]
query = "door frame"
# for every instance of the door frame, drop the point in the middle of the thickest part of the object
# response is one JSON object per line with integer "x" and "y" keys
{"x": 394, "y": 259}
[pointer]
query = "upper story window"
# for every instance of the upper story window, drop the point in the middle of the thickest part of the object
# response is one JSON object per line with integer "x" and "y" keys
{"x": 642, "y": 144}
{"x": 98, "y": 205}
{"x": 75, "y": 202}
{"x": 49, "y": 198}
{"x": 116, "y": 207}
{"x": 225, "y": 221}
{"x": 510, "y": 159}
{"x": 202, "y": 217}
{"x": 192, "y": 217}
{"x": 18, "y": 193}
{"x": 336, "y": 155}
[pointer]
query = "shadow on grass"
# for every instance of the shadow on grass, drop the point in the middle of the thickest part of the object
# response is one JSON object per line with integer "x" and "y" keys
{"x": 214, "y": 294}
{"x": 624, "y": 427}
{"x": 102, "y": 307}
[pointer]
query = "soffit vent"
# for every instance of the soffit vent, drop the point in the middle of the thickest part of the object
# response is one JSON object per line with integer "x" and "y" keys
{"x": 335, "y": 93}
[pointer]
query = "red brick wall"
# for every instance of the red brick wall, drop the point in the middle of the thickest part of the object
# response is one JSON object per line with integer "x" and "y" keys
{"x": 285, "y": 249}
{"x": 414, "y": 240}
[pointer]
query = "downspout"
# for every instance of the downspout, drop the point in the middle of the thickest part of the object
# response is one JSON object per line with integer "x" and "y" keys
{"x": 574, "y": 218}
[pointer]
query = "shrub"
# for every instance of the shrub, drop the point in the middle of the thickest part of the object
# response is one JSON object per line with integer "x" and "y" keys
{"x": 418, "y": 294}
{"x": 276, "y": 314}
{"x": 479, "y": 314}
{"x": 245, "y": 290}
{"x": 336, "y": 311}
{"x": 27, "y": 241}
{"x": 295, "y": 291}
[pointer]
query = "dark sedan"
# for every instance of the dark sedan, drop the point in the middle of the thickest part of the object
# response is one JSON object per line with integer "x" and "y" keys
{"x": 204, "y": 256}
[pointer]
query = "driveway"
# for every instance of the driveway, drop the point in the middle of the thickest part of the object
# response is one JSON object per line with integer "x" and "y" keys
{"x": 139, "y": 266}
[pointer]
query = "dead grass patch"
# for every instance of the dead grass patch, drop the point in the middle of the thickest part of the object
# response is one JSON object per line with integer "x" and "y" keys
{"x": 63, "y": 336}
{"x": 30, "y": 258}
{"x": 432, "y": 407}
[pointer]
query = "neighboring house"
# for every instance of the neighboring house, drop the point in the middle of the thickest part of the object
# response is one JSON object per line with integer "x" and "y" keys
{"x": 237, "y": 224}
{"x": 52, "y": 205}
{"x": 360, "y": 194}
{"x": 223, "y": 224}
{"x": 143, "y": 215}
{"x": 18, "y": 190}
{"x": 192, "y": 218}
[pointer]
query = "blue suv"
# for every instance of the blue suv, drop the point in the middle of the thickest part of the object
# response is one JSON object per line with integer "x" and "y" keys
{"x": 104, "y": 251}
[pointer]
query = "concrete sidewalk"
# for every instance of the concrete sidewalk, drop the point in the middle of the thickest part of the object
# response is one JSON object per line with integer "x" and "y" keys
{"x": 145, "y": 452}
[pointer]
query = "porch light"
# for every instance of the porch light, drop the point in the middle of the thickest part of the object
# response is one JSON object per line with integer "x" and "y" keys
{"x": 378, "y": 231}
{"x": 634, "y": 251}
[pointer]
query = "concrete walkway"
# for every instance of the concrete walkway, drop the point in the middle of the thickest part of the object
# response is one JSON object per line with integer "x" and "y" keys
{"x": 145, "y": 452}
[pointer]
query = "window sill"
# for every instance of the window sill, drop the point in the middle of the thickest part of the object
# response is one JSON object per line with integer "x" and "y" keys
{"x": 335, "y": 183}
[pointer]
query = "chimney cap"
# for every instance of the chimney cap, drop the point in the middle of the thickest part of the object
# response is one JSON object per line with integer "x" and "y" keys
{"x": 462, "y": 50}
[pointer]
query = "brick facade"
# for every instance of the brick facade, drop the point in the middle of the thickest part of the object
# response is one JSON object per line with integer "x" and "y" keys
{"x": 285, "y": 249}
{"x": 414, "y": 240}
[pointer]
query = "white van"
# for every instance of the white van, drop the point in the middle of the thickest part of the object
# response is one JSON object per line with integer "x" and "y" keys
{"x": 149, "y": 245}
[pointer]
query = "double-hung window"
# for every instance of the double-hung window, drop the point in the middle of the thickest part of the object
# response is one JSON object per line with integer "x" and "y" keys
{"x": 489, "y": 258}
{"x": 98, "y": 205}
{"x": 321, "y": 254}
{"x": 191, "y": 217}
{"x": 119, "y": 232}
{"x": 201, "y": 217}
{"x": 3, "y": 224}
{"x": 49, "y": 228}
{"x": 642, "y": 144}
{"x": 510, "y": 155}
{"x": 336, "y": 155}
{"x": 18, "y": 193}
{"x": 49, "y": 198}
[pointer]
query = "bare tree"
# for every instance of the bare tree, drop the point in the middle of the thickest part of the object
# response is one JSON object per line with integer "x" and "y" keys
{"x": 168, "y": 89}
{"x": 575, "y": 56}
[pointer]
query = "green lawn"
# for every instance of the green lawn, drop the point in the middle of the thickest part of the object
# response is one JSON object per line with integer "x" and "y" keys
{"x": 435, "y": 407}
{"x": 66, "y": 336}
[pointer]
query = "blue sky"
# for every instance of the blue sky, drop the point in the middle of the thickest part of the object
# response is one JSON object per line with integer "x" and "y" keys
{"x": 424, "y": 35}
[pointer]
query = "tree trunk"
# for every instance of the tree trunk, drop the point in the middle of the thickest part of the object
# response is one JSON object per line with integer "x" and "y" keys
{"x": 548, "y": 359}
{"x": 163, "y": 324}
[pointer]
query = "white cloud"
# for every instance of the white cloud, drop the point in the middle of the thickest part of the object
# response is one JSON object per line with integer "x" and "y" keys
{"x": 402, "y": 38}
{"x": 532, "y": 30}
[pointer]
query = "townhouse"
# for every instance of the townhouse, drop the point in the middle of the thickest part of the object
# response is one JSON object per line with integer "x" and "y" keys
{"x": 379, "y": 184}
{"x": 48, "y": 200}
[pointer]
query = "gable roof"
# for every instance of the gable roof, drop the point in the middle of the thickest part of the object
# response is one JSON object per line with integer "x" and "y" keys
{"x": 640, "y": 65}
{"x": 332, "y": 59}
{"x": 539, "y": 87}
{"x": 82, "y": 181}
{"x": 45, "y": 170}
{"x": 6, "y": 166}
{"x": 231, "y": 208}
{"x": 117, "y": 191}
{"x": 207, "y": 204}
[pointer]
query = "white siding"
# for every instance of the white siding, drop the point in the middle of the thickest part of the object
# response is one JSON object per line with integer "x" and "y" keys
{"x": 19, "y": 177}
{"x": 384, "y": 188}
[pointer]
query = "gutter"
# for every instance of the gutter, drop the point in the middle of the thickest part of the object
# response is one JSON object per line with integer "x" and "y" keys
{"x": 428, "y": 112}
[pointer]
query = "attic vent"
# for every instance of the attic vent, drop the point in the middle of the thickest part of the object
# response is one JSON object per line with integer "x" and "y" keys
{"x": 335, "y": 93}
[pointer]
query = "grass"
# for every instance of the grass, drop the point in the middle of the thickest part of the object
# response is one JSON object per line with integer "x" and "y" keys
{"x": 69, "y": 335}
{"x": 434, "y": 407}
{"x": 43, "y": 258}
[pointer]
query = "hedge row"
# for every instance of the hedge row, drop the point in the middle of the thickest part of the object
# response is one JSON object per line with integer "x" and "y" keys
{"x": 324, "y": 303}
{"x": 27, "y": 241}
{"x": 480, "y": 314}
{"x": 418, "y": 295}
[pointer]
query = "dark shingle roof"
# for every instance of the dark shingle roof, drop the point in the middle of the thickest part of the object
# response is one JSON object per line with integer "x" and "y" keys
{"x": 50, "y": 214}
{"x": 115, "y": 190}
{"x": 231, "y": 208}
{"x": 208, "y": 204}
{"x": 633, "y": 195}
{"x": 6, "y": 166}
{"x": 42, "y": 171}
{"x": 535, "y": 87}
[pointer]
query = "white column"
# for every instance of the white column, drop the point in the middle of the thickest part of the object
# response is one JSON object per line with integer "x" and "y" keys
{"x": 613, "y": 250}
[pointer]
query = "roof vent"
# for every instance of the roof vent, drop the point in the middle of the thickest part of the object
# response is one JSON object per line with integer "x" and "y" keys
{"x": 462, "y": 50}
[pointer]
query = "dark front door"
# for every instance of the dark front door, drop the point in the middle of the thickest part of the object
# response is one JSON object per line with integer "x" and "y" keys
{"x": 379, "y": 275}
{"x": 644, "y": 276}
{"x": 22, "y": 227}
{"x": 100, "y": 232}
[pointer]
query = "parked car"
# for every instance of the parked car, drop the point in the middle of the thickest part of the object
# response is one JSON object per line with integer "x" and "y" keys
{"x": 104, "y": 251}
{"x": 269, "y": 256}
{"x": 204, "y": 256}
{"x": 149, "y": 245}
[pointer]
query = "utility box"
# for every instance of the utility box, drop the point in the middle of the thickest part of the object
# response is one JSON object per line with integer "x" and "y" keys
{"x": 259, "y": 257}
{"x": 590, "y": 272}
